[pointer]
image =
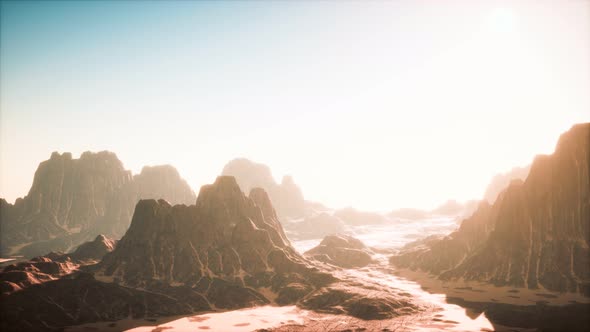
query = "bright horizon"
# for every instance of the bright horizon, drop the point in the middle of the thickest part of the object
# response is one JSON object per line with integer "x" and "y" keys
{"x": 374, "y": 105}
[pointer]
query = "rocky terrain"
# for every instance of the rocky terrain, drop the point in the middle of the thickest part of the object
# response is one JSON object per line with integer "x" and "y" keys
{"x": 226, "y": 239}
{"x": 535, "y": 235}
{"x": 227, "y": 251}
{"x": 53, "y": 266}
{"x": 71, "y": 201}
{"x": 341, "y": 250}
{"x": 286, "y": 197}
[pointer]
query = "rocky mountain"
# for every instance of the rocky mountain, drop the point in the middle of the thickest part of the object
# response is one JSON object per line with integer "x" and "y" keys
{"x": 227, "y": 242}
{"x": 536, "y": 234}
{"x": 286, "y": 197}
{"x": 73, "y": 200}
{"x": 94, "y": 250}
{"x": 501, "y": 181}
{"x": 227, "y": 251}
{"x": 163, "y": 181}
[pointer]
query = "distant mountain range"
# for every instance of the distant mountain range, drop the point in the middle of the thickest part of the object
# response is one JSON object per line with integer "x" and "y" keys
{"x": 72, "y": 201}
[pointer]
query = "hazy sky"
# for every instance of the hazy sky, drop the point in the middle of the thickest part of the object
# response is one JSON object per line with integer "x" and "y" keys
{"x": 372, "y": 104}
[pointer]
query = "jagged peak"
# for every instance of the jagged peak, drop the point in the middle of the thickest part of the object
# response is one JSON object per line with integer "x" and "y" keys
{"x": 166, "y": 168}
{"x": 224, "y": 188}
{"x": 57, "y": 155}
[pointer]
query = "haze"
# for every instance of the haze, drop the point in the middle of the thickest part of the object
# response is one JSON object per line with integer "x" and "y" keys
{"x": 375, "y": 105}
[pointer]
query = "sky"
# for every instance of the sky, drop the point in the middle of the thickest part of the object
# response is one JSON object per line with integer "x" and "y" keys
{"x": 376, "y": 105}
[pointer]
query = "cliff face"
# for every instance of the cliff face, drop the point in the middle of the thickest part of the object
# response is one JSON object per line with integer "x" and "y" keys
{"x": 73, "y": 200}
{"x": 536, "y": 234}
{"x": 286, "y": 197}
{"x": 501, "y": 181}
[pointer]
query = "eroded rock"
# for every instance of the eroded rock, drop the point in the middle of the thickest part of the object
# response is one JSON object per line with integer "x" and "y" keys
{"x": 341, "y": 250}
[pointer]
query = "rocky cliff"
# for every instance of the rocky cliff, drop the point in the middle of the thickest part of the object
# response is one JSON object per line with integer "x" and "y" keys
{"x": 536, "y": 234}
{"x": 73, "y": 200}
{"x": 501, "y": 181}
{"x": 229, "y": 246}
{"x": 286, "y": 197}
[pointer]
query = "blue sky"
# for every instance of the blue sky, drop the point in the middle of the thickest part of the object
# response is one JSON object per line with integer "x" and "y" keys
{"x": 377, "y": 104}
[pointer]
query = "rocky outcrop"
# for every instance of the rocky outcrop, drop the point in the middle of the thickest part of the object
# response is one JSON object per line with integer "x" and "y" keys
{"x": 536, "y": 234}
{"x": 16, "y": 277}
{"x": 78, "y": 299}
{"x": 71, "y": 201}
{"x": 226, "y": 244}
{"x": 501, "y": 181}
{"x": 286, "y": 197}
{"x": 53, "y": 266}
{"x": 94, "y": 250}
{"x": 342, "y": 251}
{"x": 357, "y": 302}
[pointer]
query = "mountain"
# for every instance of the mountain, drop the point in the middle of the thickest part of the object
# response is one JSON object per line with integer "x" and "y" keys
{"x": 286, "y": 197}
{"x": 501, "y": 181}
{"x": 535, "y": 234}
{"x": 227, "y": 251}
{"x": 94, "y": 250}
{"x": 227, "y": 245}
{"x": 162, "y": 181}
{"x": 73, "y": 200}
